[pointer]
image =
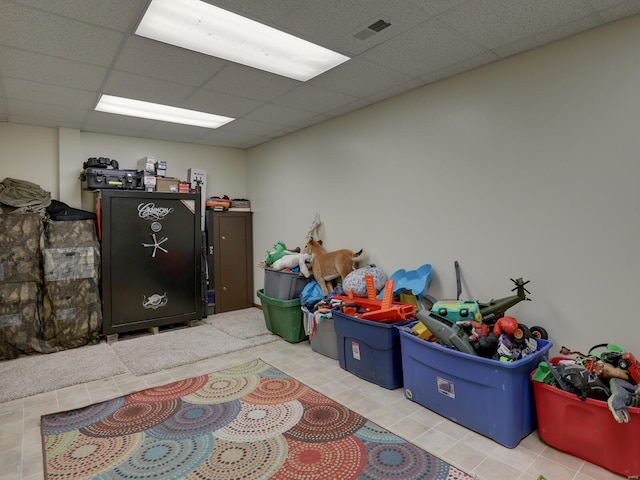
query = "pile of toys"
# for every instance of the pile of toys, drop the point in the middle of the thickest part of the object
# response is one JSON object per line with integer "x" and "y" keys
{"x": 607, "y": 372}
{"x": 481, "y": 329}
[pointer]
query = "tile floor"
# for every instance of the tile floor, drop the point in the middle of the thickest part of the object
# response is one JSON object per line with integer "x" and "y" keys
{"x": 21, "y": 455}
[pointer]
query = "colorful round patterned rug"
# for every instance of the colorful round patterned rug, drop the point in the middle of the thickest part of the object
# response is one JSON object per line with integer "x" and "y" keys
{"x": 250, "y": 422}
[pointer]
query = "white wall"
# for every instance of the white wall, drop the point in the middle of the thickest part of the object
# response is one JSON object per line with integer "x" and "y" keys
{"x": 527, "y": 167}
{"x": 53, "y": 159}
{"x": 30, "y": 153}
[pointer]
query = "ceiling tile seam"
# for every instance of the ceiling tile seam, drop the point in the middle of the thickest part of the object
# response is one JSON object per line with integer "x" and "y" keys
{"x": 463, "y": 35}
{"x": 203, "y": 84}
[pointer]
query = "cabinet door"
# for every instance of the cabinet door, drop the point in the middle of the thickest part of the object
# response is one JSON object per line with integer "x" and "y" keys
{"x": 151, "y": 258}
{"x": 233, "y": 259}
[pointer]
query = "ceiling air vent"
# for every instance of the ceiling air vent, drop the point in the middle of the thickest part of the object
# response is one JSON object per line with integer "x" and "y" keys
{"x": 372, "y": 29}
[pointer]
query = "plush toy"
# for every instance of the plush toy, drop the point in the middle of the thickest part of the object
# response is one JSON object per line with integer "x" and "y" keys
{"x": 327, "y": 266}
{"x": 292, "y": 261}
{"x": 355, "y": 280}
{"x": 279, "y": 251}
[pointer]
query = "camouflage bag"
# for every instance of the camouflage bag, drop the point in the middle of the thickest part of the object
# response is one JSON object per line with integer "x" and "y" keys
{"x": 20, "y": 196}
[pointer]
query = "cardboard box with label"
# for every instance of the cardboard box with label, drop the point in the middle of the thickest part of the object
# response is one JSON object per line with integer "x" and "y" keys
{"x": 167, "y": 184}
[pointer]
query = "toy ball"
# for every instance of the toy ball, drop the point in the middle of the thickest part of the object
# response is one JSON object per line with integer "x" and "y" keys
{"x": 355, "y": 280}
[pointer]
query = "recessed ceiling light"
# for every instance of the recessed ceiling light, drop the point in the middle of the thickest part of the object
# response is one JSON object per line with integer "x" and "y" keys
{"x": 156, "y": 111}
{"x": 207, "y": 29}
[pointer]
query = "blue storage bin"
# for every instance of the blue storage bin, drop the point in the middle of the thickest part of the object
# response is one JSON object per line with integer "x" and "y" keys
{"x": 369, "y": 349}
{"x": 487, "y": 396}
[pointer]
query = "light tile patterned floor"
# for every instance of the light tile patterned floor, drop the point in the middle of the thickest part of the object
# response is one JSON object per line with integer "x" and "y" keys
{"x": 21, "y": 455}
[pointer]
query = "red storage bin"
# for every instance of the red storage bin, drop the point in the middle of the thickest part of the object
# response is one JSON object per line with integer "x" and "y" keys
{"x": 587, "y": 429}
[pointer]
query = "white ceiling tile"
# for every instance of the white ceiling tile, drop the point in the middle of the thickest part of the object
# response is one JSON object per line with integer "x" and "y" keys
{"x": 313, "y": 99}
{"x": 423, "y": 49}
{"x": 279, "y": 114}
{"x": 246, "y": 82}
{"x": 604, "y": 4}
{"x": 463, "y": 66}
{"x": 548, "y": 36}
{"x": 47, "y": 114}
{"x": 493, "y": 23}
{"x": 37, "y": 31}
{"x": 56, "y": 71}
{"x": 255, "y": 127}
{"x": 313, "y": 121}
{"x": 219, "y": 103}
{"x": 333, "y": 23}
{"x": 68, "y": 51}
{"x": 21, "y": 89}
{"x": 436, "y": 7}
{"x": 397, "y": 90}
{"x": 116, "y": 124}
{"x": 115, "y": 14}
{"x": 626, "y": 9}
{"x": 149, "y": 89}
{"x": 228, "y": 136}
{"x": 171, "y": 129}
{"x": 350, "y": 107}
{"x": 166, "y": 62}
{"x": 359, "y": 78}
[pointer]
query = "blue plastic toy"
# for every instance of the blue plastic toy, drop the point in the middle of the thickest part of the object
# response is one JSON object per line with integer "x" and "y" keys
{"x": 413, "y": 281}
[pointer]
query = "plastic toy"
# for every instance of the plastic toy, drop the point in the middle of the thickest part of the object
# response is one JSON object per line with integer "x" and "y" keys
{"x": 458, "y": 310}
{"x": 414, "y": 281}
{"x": 623, "y": 395}
{"x": 483, "y": 340}
{"x": 495, "y": 309}
{"x": 448, "y": 333}
{"x": 370, "y": 308}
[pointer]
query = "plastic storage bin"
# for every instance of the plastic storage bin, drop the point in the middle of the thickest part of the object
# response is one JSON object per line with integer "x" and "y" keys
{"x": 588, "y": 430}
{"x": 369, "y": 349}
{"x": 283, "y": 285}
{"x": 324, "y": 339}
{"x": 490, "y": 397}
{"x": 283, "y": 317}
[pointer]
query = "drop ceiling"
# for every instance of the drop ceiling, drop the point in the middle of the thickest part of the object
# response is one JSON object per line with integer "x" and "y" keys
{"x": 58, "y": 57}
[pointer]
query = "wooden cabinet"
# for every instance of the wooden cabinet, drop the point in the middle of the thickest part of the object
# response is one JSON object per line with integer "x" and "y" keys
{"x": 230, "y": 237}
{"x": 151, "y": 259}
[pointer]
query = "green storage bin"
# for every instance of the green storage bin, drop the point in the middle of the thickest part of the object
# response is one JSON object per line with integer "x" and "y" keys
{"x": 283, "y": 317}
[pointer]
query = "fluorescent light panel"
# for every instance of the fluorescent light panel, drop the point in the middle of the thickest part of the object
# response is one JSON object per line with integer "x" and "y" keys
{"x": 207, "y": 29}
{"x": 156, "y": 111}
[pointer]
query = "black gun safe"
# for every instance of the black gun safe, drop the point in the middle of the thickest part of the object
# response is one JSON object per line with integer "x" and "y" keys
{"x": 151, "y": 259}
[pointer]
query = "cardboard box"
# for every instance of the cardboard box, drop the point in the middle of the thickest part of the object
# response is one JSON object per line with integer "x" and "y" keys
{"x": 147, "y": 164}
{"x": 161, "y": 169}
{"x": 167, "y": 184}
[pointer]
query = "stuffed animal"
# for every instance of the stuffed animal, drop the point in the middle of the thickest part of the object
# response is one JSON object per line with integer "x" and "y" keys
{"x": 328, "y": 266}
{"x": 279, "y": 251}
{"x": 294, "y": 260}
{"x": 355, "y": 280}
